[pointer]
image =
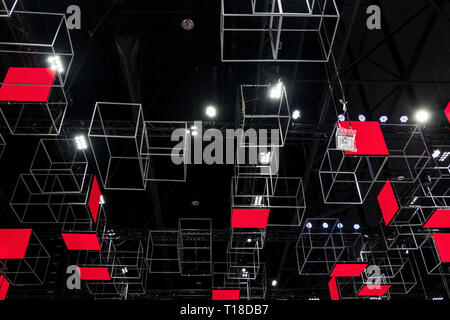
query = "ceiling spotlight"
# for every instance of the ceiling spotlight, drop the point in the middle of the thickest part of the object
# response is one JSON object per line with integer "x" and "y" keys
{"x": 264, "y": 157}
{"x": 325, "y": 225}
{"x": 102, "y": 200}
{"x": 211, "y": 111}
{"x": 274, "y": 283}
{"x": 194, "y": 128}
{"x": 444, "y": 156}
{"x": 55, "y": 63}
{"x": 340, "y": 225}
{"x": 244, "y": 270}
{"x": 187, "y": 24}
{"x": 249, "y": 240}
{"x": 404, "y": 119}
{"x": 422, "y": 116}
{"x": 362, "y": 117}
{"x": 80, "y": 142}
{"x": 276, "y": 91}
{"x": 356, "y": 226}
{"x": 309, "y": 225}
{"x": 436, "y": 154}
{"x": 383, "y": 119}
{"x": 341, "y": 117}
{"x": 124, "y": 270}
{"x": 296, "y": 114}
{"x": 194, "y": 133}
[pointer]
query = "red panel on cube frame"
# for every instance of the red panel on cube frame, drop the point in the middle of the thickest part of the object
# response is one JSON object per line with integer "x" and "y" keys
{"x": 36, "y": 84}
{"x": 14, "y": 243}
{"x": 225, "y": 294}
{"x": 439, "y": 219}
{"x": 369, "y": 138}
{"x": 4, "y": 286}
{"x": 94, "y": 199}
{"x": 81, "y": 241}
{"x": 348, "y": 269}
{"x": 94, "y": 273}
{"x": 447, "y": 112}
{"x": 373, "y": 290}
{"x": 250, "y": 218}
{"x": 334, "y": 292}
{"x": 388, "y": 202}
{"x": 442, "y": 241}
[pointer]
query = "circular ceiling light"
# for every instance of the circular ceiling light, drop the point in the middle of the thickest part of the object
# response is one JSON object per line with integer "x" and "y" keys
{"x": 187, "y": 24}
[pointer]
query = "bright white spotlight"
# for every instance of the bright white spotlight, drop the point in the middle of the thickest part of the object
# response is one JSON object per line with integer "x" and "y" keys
{"x": 124, "y": 270}
{"x": 194, "y": 133}
{"x": 422, "y": 116}
{"x": 274, "y": 283}
{"x": 309, "y": 225}
{"x": 55, "y": 63}
{"x": 276, "y": 91}
{"x": 325, "y": 225}
{"x": 356, "y": 226}
{"x": 264, "y": 157}
{"x": 340, "y": 225}
{"x": 436, "y": 154}
{"x": 362, "y": 117}
{"x": 404, "y": 119}
{"x": 244, "y": 270}
{"x": 194, "y": 128}
{"x": 341, "y": 117}
{"x": 80, "y": 142}
{"x": 383, "y": 119}
{"x": 211, "y": 111}
{"x": 102, "y": 200}
{"x": 249, "y": 240}
{"x": 296, "y": 114}
{"x": 444, "y": 156}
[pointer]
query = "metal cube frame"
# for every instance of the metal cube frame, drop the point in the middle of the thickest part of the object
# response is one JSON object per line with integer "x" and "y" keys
{"x": 319, "y": 249}
{"x": 35, "y": 117}
{"x": 283, "y": 24}
{"x": 160, "y": 148}
{"x": 162, "y": 252}
{"x": 2, "y": 145}
{"x": 260, "y": 112}
{"x": 7, "y": 7}
{"x": 59, "y": 159}
{"x": 404, "y": 237}
{"x": 195, "y": 246}
{"x": 118, "y": 140}
{"x": 32, "y": 269}
{"x": 432, "y": 260}
{"x": 243, "y": 264}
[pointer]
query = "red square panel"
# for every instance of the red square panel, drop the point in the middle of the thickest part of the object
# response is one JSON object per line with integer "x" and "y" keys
{"x": 348, "y": 270}
{"x": 369, "y": 138}
{"x": 81, "y": 241}
{"x": 250, "y": 218}
{"x": 373, "y": 290}
{"x": 94, "y": 273}
{"x": 388, "y": 202}
{"x": 447, "y": 112}
{"x": 442, "y": 241}
{"x": 4, "y": 286}
{"x": 332, "y": 285}
{"x": 40, "y": 80}
{"x": 225, "y": 294}
{"x": 439, "y": 219}
{"x": 14, "y": 243}
{"x": 94, "y": 199}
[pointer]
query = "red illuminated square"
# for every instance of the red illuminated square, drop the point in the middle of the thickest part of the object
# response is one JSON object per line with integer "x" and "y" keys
{"x": 332, "y": 285}
{"x": 94, "y": 199}
{"x": 439, "y": 219}
{"x": 373, "y": 290}
{"x": 94, "y": 273}
{"x": 348, "y": 269}
{"x": 37, "y": 84}
{"x": 388, "y": 202}
{"x": 14, "y": 243}
{"x": 250, "y": 218}
{"x": 4, "y": 286}
{"x": 442, "y": 241}
{"x": 225, "y": 294}
{"x": 81, "y": 241}
{"x": 369, "y": 138}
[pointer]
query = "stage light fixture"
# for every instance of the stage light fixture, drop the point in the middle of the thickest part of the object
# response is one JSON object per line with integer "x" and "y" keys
{"x": 325, "y": 225}
{"x": 404, "y": 119}
{"x": 340, "y": 225}
{"x": 341, "y": 117}
{"x": 356, "y": 226}
{"x": 102, "y": 200}
{"x": 274, "y": 283}
{"x": 80, "y": 142}
{"x": 264, "y": 157}
{"x": 55, "y": 63}
{"x": 362, "y": 117}
{"x": 194, "y": 133}
{"x": 211, "y": 111}
{"x": 436, "y": 154}
{"x": 383, "y": 119}
{"x": 422, "y": 116}
{"x": 276, "y": 91}
{"x": 249, "y": 240}
{"x": 296, "y": 114}
{"x": 309, "y": 225}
